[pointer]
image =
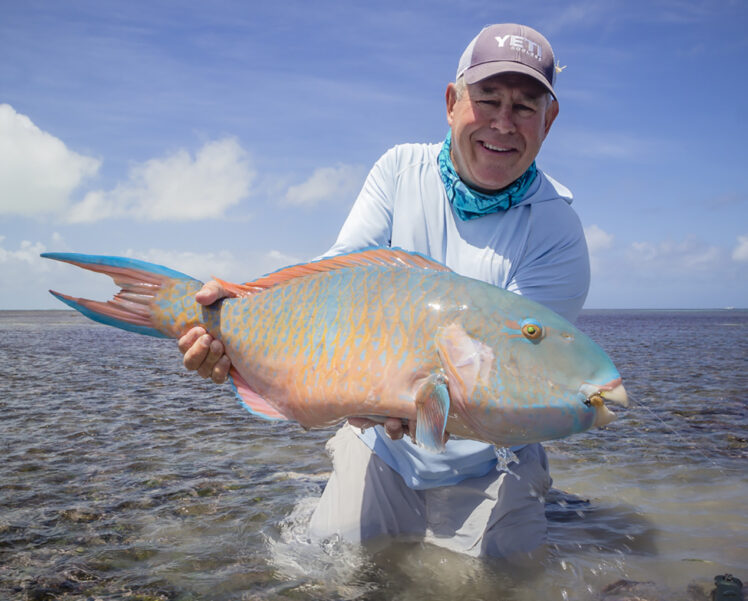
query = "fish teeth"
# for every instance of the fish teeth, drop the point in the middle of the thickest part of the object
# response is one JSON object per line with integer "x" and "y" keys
{"x": 617, "y": 394}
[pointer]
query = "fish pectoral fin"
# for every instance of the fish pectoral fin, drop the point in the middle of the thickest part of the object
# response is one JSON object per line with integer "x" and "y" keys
{"x": 432, "y": 412}
{"x": 252, "y": 401}
{"x": 466, "y": 360}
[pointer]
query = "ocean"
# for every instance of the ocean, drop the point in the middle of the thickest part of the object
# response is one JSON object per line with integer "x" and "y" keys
{"x": 122, "y": 476}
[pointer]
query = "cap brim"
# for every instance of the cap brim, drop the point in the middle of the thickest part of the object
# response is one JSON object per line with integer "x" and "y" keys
{"x": 483, "y": 71}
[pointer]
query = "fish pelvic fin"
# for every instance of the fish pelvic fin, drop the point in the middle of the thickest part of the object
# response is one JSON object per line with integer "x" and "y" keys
{"x": 153, "y": 300}
{"x": 252, "y": 401}
{"x": 383, "y": 257}
{"x": 432, "y": 412}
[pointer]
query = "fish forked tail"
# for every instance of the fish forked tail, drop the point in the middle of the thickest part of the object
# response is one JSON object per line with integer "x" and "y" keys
{"x": 151, "y": 300}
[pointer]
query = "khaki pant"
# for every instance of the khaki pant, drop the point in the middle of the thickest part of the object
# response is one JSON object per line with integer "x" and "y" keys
{"x": 500, "y": 514}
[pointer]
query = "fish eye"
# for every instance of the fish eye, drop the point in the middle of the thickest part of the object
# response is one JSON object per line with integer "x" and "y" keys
{"x": 531, "y": 329}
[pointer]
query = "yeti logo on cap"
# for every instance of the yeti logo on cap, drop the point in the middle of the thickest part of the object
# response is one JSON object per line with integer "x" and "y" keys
{"x": 508, "y": 48}
{"x": 521, "y": 43}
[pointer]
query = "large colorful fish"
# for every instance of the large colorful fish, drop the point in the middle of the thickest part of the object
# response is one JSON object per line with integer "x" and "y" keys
{"x": 379, "y": 333}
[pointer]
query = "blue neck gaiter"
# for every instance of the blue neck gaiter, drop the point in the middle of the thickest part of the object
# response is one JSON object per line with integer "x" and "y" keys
{"x": 471, "y": 204}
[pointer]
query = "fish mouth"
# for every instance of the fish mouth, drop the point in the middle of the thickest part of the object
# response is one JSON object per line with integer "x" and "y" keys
{"x": 614, "y": 392}
{"x": 596, "y": 395}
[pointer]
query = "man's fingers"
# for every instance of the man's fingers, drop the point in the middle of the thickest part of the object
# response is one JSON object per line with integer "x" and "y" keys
{"x": 361, "y": 422}
{"x": 213, "y": 354}
{"x": 220, "y": 372}
{"x": 190, "y": 337}
{"x": 210, "y": 293}
{"x": 202, "y": 352}
{"x": 195, "y": 356}
{"x": 393, "y": 428}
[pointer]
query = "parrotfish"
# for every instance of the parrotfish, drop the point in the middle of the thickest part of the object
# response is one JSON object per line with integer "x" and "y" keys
{"x": 379, "y": 333}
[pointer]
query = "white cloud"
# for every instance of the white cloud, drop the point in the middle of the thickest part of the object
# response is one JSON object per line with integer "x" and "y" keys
{"x": 28, "y": 277}
{"x": 37, "y": 171}
{"x": 276, "y": 257}
{"x": 740, "y": 252}
{"x": 27, "y": 253}
{"x": 195, "y": 264}
{"x": 669, "y": 257}
{"x": 177, "y": 187}
{"x": 225, "y": 265}
{"x": 597, "y": 239}
{"x": 689, "y": 272}
{"x": 327, "y": 183}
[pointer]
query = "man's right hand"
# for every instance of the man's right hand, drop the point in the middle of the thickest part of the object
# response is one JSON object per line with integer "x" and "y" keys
{"x": 393, "y": 427}
{"x": 202, "y": 352}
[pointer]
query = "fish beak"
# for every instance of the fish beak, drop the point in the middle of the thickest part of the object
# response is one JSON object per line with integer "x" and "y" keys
{"x": 617, "y": 394}
{"x": 597, "y": 395}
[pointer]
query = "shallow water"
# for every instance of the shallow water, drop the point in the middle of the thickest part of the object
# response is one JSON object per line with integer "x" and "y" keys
{"x": 125, "y": 477}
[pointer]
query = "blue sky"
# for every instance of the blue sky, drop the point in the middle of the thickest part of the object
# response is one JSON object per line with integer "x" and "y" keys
{"x": 230, "y": 137}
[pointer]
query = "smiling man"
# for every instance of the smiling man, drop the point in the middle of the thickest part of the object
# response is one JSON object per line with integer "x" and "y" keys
{"x": 477, "y": 203}
{"x": 497, "y": 127}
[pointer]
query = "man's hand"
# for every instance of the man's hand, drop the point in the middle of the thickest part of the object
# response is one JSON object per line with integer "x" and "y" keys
{"x": 393, "y": 427}
{"x": 202, "y": 352}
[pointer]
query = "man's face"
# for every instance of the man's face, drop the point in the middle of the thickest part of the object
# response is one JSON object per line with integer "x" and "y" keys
{"x": 498, "y": 126}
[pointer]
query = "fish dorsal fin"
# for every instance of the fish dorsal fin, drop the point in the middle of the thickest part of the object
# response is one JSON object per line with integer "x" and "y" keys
{"x": 393, "y": 257}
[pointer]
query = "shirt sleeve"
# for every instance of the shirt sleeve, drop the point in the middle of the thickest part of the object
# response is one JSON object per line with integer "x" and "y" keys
{"x": 555, "y": 267}
{"x": 369, "y": 222}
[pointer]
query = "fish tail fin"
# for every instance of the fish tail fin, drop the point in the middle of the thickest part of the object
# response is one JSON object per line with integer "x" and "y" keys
{"x": 153, "y": 300}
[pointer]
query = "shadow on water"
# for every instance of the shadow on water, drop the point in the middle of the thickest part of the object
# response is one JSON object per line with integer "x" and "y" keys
{"x": 575, "y": 523}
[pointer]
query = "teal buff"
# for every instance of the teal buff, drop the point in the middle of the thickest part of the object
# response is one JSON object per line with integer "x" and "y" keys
{"x": 471, "y": 204}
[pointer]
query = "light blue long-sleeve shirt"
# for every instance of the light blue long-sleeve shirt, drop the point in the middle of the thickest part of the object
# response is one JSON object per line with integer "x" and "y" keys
{"x": 536, "y": 248}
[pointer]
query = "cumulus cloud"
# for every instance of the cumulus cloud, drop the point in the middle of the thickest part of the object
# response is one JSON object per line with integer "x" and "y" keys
{"x": 200, "y": 265}
{"x": 597, "y": 239}
{"x": 38, "y": 172}
{"x": 227, "y": 265}
{"x": 177, "y": 187}
{"x": 740, "y": 252}
{"x": 686, "y": 256}
{"x": 342, "y": 182}
{"x": 687, "y": 272}
{"x": 27, "y": 252}
{"x": 28, "y": 277}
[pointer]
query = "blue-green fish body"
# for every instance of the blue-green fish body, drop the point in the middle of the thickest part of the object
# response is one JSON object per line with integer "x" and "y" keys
{"x": 383, "y": 333}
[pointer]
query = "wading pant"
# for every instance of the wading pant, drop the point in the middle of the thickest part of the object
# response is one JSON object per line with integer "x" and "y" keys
{"x": 500, "y": 514}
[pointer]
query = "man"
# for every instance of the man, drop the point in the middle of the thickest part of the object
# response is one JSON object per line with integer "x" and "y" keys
{"x": 478, "y": 204}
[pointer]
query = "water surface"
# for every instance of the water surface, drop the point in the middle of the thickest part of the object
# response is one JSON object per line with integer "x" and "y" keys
{"x": 125, "y": 477}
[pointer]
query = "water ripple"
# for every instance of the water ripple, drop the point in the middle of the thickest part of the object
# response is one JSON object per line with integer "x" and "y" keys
{"x": 124, "y": 476}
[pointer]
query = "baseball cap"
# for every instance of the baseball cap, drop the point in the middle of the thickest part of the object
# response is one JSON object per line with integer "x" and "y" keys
{"x": 508, "y": 48}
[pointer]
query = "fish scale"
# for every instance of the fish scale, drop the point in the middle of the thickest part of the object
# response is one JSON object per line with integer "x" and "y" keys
{"x": 380, "y": 333}
{"x": 312, "y": 351}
